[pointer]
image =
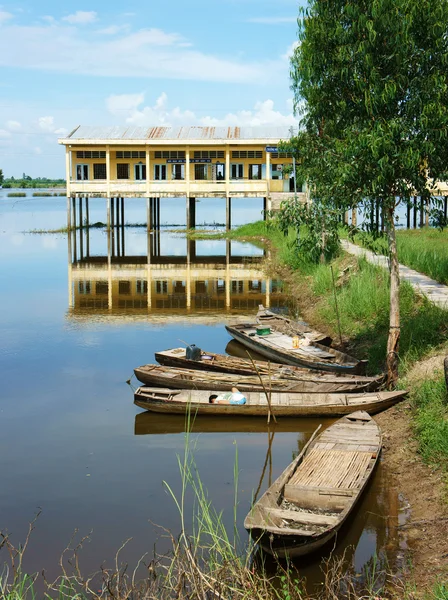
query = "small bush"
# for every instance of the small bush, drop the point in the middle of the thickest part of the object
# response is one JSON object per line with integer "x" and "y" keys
{"x": 17, "y": 195}
{"x": 42, "y": 194}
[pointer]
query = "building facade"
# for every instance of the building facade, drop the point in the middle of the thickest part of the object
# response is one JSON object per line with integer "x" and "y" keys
{"x": 190, "y": 162}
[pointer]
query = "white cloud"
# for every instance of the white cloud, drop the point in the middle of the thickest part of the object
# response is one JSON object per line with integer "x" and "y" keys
{"x": 37, "y": 150}
{"x": 49, "y": 19}
{"x": 129, "y": 108}
{"x": 149, "y": 53}
{"x": 113, "y": 29}
{"x": 4, "y": 133}
{"x": 290, "y": 51}
{"x": 272, "y": 20}
{"x": 5, "y": 16}
{"x": 81, "y": 17}
{"x": 46, "y": 123}
{"x": 13, "y": 125}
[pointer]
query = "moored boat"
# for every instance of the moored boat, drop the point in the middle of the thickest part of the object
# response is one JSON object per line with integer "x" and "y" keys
{"x": 281, "y": 348}
{"x": 282, "y": 404}
{"x": 278, "y": 378}
{"x": 267, "y": 318}
{"x": 306, "y": 506}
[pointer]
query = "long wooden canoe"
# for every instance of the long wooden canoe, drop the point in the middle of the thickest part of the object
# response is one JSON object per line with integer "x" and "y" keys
{"x": 221, "y": 363}
{"x": 267, "y": 318}
{"x": 278, "y": 347}
{"x": 285, "y": 404}
{"x": 305, "y": 507}
{"x": 283, "y": 379}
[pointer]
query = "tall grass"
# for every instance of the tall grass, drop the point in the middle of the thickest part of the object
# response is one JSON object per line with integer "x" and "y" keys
{"x": 16, "y": 195}
{"x": 430, "y": 400}
{"x": 424, "y": 250}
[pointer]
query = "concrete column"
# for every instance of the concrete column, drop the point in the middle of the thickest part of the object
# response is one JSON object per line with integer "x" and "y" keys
{"x": 191, "y": 213}
{"x": 227, "y": 171}
{"x": 69, "y": 213}
{"x": 75, "y": 249}
{"x": 445, "y": 208}
{"x": 408, "y": 216}
{"x": 68, "y": 169}
{"x": 268, "y": 293}
{"x": 108, "y": 173}
{"x": 415, "y": 212}
{"x": 421, "y": 212}
{"x": 267, "y": 203}
{"x": 228, "y": 213}
{"x": 148, "y": 174}
{"x": 123, "y": 252}
{"x": 81, "y": 231}
{"x": 428, "y": 208}
{"x": 265, "y": 208}
{"x": 187, "y": 171}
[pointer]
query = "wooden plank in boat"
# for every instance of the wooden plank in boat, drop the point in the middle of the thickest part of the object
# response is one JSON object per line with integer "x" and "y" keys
{"x": 312, "y": 498}
{"x": 304, "y": 517}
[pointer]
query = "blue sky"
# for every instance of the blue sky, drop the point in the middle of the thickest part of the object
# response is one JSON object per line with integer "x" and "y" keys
{"x": 146, "y": 62}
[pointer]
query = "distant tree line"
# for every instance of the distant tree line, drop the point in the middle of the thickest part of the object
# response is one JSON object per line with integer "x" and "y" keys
{"x": 28, "y": 182}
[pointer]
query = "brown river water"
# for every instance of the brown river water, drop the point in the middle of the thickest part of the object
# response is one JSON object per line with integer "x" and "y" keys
{"x": 76, "y": 317}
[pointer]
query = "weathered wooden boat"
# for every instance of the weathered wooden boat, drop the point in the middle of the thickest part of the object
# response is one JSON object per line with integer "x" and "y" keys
{"x": 280, "y": 379}
{"x": 283, "y": 404}
{"x": 306, "y": 506}
{"x": 282, "y": 324}
{"x": 279, "y": 347}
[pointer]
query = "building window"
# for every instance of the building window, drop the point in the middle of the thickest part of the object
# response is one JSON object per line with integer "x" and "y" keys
{"x": 254, "y": 171}
{"x": 173, "y": 154}
{"x": 142, "y": 286}
{"x": 237, "y": 287}
{"x": 99, "y": 171}
{"x": 124, "y": 288}
{"x": 84, "y": 287}
{"x": 160, "y": 172}
{"x": 276, "y": 171}
{"x": 178, "y": 172}
{"x": 130, "y": 154}
{"x": 200, "y": 172}
{"x": 201, "y": 287}
{"x": 140, "y": 172}
{"x": 101, "y": 288}
{"x": 221, "y": 286}
{"x": 91, "y": 154}
{"x": 122, "y": 171}
{"x": 161, "y": 287}
{"x": 179, "y": 287}
{"x": 236, "y": 171}
{"x": 208, "y": 154}
{"x": 82, "y": 172}
{"x": 219, "y": 172}
{"x": 247, "y": 154}
{"x": 255, "y": 285}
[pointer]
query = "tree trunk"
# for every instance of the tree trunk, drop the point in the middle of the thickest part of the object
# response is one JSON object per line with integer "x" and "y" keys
{"x": 394, "y": 314}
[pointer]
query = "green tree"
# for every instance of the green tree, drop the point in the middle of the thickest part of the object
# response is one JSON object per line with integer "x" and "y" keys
{"x": 2, "y": 178}
{"x": 370, "y": 83}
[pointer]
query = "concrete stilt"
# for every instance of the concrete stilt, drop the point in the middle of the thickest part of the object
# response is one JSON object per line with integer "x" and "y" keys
{"x": 228, "y": 213}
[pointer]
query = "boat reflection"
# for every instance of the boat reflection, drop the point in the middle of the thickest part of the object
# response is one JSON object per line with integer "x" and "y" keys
{"x": 153, "y": 423}
{"x": 166, "y": 275}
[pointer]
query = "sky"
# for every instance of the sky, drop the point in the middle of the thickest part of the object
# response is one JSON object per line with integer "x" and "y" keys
{"x": 144, "y": 62}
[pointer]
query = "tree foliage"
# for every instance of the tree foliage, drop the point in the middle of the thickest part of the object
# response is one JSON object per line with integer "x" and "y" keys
{"x": 1, "y": 177}
{"x": 370, "y": 81}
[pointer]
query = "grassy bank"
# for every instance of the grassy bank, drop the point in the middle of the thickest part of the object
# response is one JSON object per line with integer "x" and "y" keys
{"x": 359, "y": 293}
{"x": 424, "y": 250}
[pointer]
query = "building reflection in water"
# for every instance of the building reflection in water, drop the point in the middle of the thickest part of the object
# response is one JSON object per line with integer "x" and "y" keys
{"x": 165, "y": 274}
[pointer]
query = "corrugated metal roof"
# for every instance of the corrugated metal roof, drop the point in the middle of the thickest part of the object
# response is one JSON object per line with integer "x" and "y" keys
{"x": 179, "y": 133}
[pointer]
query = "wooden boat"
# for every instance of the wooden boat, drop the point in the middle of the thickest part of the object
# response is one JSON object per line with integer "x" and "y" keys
{"x": 278, "y": 347}
{"x": 283, "y": 404}
{"x": 267, "y": 318}
{"x": 305, "y": 507}
{"x": 281, "y": 379}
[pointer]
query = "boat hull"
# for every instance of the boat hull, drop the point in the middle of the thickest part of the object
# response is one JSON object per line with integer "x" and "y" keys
{"x": 280, "y": 356}
{"x": 340, "y": 407}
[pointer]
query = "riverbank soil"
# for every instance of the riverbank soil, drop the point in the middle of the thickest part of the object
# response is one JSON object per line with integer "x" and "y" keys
{"x": 425, "y": 532}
